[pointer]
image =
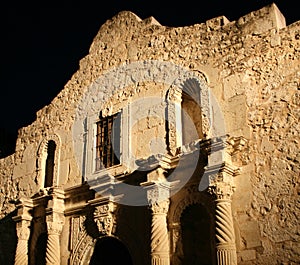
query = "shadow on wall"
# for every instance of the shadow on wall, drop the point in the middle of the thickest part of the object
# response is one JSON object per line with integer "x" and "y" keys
{"x": 8, "y": 239}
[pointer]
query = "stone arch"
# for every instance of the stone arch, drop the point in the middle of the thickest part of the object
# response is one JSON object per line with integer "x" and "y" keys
{"x": 42, "y": 154}
{"x": 190, "y": 195}
{"x": 83, "y": 250}
{"x": 110, "y": 250}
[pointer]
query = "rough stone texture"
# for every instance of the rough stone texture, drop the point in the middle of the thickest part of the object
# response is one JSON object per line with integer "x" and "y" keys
{"x": 251, "y": 66}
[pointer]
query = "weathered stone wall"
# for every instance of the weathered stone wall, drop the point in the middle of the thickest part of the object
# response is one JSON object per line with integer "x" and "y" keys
{"x": 252, "y": 69}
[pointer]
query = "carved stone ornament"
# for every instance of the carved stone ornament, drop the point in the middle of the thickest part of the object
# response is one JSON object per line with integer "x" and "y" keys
{"x": 222, "y": 190}
{"x": 54, "y": 228}
{"x": 175, "y": 94}
{"x": 160, "y": 208}
{"x": 23, "y": 231}
{"x": 105, "y": 224}
{"x": 103, "y": 216}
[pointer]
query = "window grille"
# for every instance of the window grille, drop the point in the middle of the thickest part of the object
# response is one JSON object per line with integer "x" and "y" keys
{"x": 108, "y": 142}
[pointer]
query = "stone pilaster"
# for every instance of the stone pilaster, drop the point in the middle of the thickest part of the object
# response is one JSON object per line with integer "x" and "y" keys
{"x": 221, "y": 187}
{"x": 55, "y": 222}
{"x": 23, "y": 222}
{"x": 176, "y": 244}
{"x": 158, "y": 198}
{"x": 174, "y": 116}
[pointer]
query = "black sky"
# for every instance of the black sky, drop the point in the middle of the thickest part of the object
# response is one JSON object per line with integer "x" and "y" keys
{"x": 42, "y": 42}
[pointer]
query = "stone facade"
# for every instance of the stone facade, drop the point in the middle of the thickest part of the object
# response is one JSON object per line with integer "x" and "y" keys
{"x": 208, "y": 166}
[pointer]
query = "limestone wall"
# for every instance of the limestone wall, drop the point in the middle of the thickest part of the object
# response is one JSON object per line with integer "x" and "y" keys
{"x": 252, "y": 69}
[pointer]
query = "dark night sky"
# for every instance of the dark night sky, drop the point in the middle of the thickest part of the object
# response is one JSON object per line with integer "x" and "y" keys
{"x": 42, "y": 42}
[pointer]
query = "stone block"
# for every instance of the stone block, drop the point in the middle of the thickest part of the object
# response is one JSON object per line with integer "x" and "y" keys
{"x": 247, "y": 255}
{"x": 251, "y": 234}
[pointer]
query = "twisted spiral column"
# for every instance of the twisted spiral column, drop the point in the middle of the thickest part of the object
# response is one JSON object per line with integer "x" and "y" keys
{"x": 23, "y": 222}
{"x": 23, "y": 232}
{"x": 159, "y": 234}
{"x": 53, "y": 247}
{"x": 226, "y": 251}
{"x": 225, "y": 237}
{"x": 158, "y": 198}
{"x": 55, "y": 222}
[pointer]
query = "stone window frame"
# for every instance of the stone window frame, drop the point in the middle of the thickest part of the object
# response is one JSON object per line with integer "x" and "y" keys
{"x": 90, "y": 169}
{"x": 107, "y": 149}
{"x": 42, "y": 157}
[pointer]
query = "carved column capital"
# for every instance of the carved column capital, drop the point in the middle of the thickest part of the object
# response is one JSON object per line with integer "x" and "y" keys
{"x": 222, "y": 190}
{"x": 160, "y": 208}
{"x": 54, "y": 228}
{"x": 156, "y": 186}
{"x": 221, "y": 180}
{"x": 23, "y": 218}
{"x": 23, "y": 230}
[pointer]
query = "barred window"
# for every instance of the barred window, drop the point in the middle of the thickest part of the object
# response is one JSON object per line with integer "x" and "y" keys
{"x": 108, "y": 142}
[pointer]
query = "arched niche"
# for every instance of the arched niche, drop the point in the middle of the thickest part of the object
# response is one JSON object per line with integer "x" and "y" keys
{"x": 188, "y": 209}
{"x": 189, "y": 112}
{"x": 196, "y": 236}
{"x": 48, "y": 157}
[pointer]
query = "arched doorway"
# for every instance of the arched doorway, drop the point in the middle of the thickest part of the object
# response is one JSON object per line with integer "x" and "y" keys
{"x": 110, "y": 251}
{"x": 196, "y": 236}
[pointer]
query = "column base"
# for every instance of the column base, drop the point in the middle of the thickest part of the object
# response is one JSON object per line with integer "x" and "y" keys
{"x": 226, "y": 255}
{"x": 160, "y": 259}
